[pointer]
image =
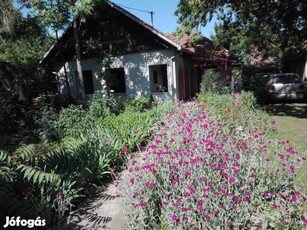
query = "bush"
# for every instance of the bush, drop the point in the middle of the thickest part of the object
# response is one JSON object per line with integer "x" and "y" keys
{"x": 139, "y": 104}
{"x": 10, "y": 113}
{"x": 209, "y": 82}
{"x": 194, "y": 174}
{"x": 100, "y": 103}
{"x": 237, "y": 110}
{"x": 71, "y": 121}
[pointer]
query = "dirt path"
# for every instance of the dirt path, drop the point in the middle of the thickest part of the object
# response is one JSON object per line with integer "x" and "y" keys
{"x": 104, "y": 212}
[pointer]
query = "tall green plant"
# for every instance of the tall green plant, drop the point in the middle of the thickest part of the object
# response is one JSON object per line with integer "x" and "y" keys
{"x": 208, "y": 84}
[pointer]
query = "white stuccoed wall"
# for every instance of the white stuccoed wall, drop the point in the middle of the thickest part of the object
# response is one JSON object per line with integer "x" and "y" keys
{"x": 137, "y": 74}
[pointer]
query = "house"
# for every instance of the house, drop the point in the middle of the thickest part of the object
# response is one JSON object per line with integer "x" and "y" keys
{"x": 296, "y": 61}
{"x": 144, "y": 60}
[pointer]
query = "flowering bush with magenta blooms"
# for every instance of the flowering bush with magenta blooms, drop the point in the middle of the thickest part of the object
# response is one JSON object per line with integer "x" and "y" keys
{"x": 196, "y": 174}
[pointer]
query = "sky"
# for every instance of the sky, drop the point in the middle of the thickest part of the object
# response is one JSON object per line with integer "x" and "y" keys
{"x": 163, "y": 18}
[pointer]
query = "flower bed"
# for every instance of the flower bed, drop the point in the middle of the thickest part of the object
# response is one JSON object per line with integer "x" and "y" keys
{"x": 198, "y": 173}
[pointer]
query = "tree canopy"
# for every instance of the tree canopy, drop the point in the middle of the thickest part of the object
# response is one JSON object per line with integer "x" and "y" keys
{"x": 276, "y": 25}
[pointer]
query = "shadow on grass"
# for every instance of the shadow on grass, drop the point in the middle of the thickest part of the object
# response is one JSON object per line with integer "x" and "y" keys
{"x": 298, "y": 110}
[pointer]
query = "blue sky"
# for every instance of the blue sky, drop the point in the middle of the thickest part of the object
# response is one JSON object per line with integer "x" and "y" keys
{"x": 164, "y": 18}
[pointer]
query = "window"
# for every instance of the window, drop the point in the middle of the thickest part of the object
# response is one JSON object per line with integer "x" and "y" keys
{"x": 158, "y": 78}
{"x": 117, "y": 80}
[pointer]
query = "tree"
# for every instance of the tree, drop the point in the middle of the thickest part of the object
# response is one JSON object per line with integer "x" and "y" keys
{"x": 269, "y": 25}
{"x": 232, "y": 38}
{"x": 57, "y": 14}
{"x": 7, "y": 16}
{"x": 28, "y": 45}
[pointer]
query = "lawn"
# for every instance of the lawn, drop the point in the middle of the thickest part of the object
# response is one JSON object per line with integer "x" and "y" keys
{"x": 292, "y": 125}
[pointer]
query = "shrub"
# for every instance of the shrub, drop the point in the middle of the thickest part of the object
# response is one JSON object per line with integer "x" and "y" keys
{"x": 52, "y": 178}
{"x": 71, "y": 121}
{"x": 209, "y": 82}
{"x": 139, "y": 104}
{"x": 131, "y": 128}
{"x": 101, "y": 103}
{"x": 237, "y": 110}
{"x": 194, "y": 174}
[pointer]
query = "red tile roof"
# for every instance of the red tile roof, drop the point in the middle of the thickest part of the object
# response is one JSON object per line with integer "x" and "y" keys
{"x": 203, "y": 47}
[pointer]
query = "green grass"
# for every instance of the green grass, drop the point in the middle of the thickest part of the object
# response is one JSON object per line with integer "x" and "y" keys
{"x": 292, "y": 125}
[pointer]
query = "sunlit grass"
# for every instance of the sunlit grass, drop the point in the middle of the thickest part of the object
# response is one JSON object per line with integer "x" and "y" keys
{"x": 292, "y": 125}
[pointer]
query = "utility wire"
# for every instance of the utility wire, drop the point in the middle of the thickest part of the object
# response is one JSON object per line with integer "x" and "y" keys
{"x": 145, "y": 11}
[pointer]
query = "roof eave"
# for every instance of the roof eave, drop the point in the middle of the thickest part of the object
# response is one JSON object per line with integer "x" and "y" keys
{"x": 142, "y": 23}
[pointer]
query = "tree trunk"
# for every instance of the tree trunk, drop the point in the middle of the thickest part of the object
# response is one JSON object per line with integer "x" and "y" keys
{"x": 65, "y": 70}
{"x": 81, "y": 93}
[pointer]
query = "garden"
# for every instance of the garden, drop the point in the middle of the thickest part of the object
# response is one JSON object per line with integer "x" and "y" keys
{"x": 77, "y": 150}
{"x": 213, "y": 162}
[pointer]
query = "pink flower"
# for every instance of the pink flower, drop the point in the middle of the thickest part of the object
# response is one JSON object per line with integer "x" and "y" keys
{"x": 274, "y": 205}
{"x": 183, "y": 209}
{"x": 152, "y": 185}
{"x": 292, "y": 169}
{"x": 125, "y": 149}
{"x": 273, "y": 122}
{"x": 174, "y": 217}
{"x": 305, "y": 220}
{"x": 259, "y": 224}
{"x": 59, "y": 194}
{"x": 158, "y": 142}
{"x": 245, "y": 199}
{"x": 143, "y": 203}
{"x": 231, "y": 180}
{"x": 135, "y": 194}
{"x": 29, "y": 192}
{"x": 132, "y": 180}
{"x": 208, "y": 217}
{"x": 247, "y": 193}
{"x": 135, "y": 132}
